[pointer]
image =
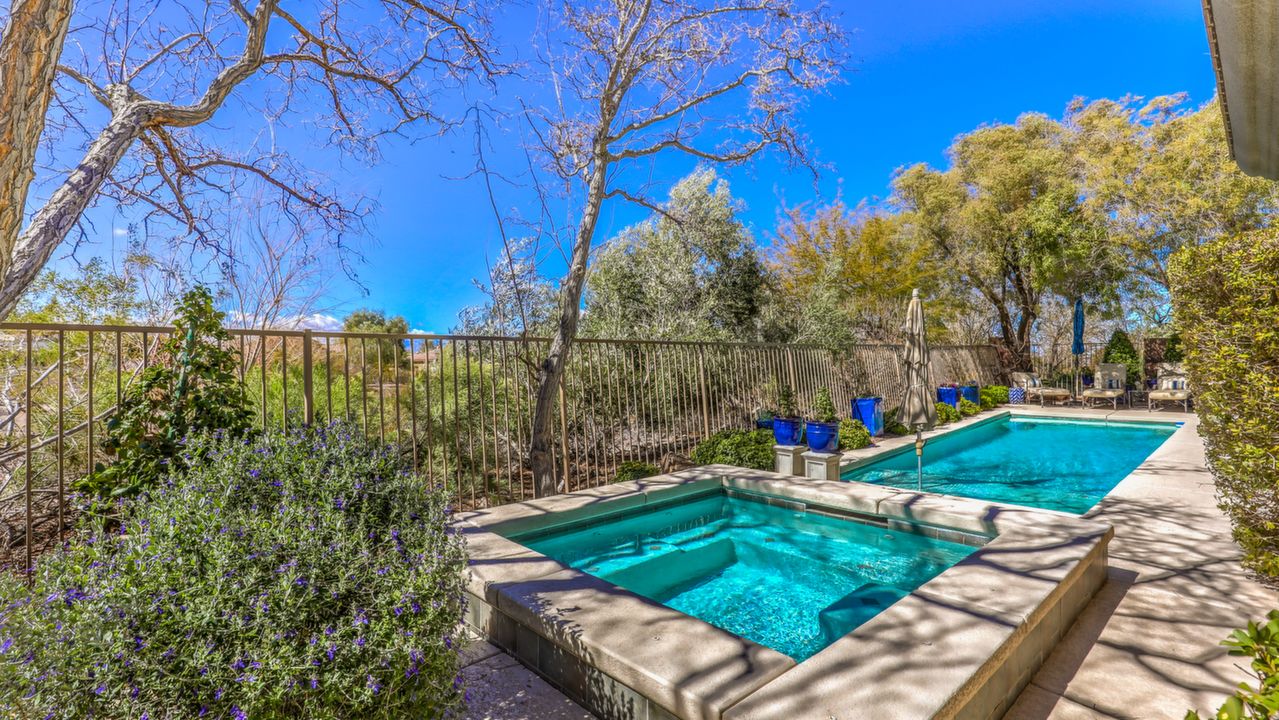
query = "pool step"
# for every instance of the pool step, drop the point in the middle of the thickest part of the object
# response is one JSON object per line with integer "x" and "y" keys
{"x": 845, "y": 614}
{"x": 659, "y": 577}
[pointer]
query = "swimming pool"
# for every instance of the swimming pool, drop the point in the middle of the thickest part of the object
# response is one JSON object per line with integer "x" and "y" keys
{"x": 1050, "y": 463}
{"x": 789, "y": 579}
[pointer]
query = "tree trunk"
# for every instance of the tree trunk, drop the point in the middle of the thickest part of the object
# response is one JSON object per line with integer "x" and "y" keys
{"x": 551, "y": 370}
{"x": 53, "y": 221}
{"x": 29, "y": 53}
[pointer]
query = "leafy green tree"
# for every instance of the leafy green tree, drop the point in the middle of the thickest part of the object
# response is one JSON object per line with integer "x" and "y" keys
{"x": 1008, "y": 219}
{"x": 193, "y": 388}
{"x": 377, "y": 322}
{"x": 849, "y": 274}
{"x": 1161, "y": 173}
{"x": 691, "y": 272}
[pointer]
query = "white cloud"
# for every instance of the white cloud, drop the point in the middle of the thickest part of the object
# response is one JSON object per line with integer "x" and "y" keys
{"x": 318, "y": 321}
{"x": 119, "y": 232}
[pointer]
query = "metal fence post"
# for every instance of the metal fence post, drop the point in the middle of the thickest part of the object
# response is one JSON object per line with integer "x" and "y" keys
{"x": 308, "y": 400}
{"x": 701, "y": 388}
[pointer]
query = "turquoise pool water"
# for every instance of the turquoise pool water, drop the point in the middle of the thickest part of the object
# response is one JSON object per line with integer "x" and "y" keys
{"x": 787, "y": 579}
{"x": 1066, "y": 465}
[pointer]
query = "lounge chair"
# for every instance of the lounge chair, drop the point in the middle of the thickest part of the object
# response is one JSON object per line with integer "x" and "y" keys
{"x": 1170, "y": 386}
{"x": 1035, "y": 388}
{"x": 1109, "y": 384}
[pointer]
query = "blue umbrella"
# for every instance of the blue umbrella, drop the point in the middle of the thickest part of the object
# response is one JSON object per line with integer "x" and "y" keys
{"x": 1077, "y": 346}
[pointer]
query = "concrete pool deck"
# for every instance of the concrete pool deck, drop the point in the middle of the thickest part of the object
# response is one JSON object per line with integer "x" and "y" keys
{"x": 1147, "y": 645}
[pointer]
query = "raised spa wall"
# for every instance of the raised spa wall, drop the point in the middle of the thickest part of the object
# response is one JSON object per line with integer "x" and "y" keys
{"x": 962, "y": 645}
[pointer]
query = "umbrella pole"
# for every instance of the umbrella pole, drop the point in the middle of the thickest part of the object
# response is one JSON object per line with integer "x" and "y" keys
{"x": 919, "y": 458}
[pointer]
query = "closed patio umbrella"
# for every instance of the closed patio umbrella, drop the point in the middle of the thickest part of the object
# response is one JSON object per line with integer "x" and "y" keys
{"x": 1077, "y": 342}
{"x": 918, "y": 409}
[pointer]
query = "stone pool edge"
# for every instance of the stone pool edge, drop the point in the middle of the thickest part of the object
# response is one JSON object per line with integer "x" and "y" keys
{"x": 961, "y": 646}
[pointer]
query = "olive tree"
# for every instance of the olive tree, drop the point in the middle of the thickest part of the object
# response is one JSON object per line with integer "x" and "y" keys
{"x": 720, "y": 81}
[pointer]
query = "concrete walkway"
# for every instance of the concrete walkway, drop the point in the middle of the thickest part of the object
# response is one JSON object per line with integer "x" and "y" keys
{"x": 500, "y": 688}
{"x": 1148, "y": 646}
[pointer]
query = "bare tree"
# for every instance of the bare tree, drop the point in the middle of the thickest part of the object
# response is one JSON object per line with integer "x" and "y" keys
{"x": 719, "y": 81}
{"x": 272, "y": 273}
{"x": 140, "y": 84}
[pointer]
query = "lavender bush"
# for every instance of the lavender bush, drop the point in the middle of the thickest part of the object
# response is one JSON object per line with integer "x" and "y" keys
{"x": 300, "y": 575}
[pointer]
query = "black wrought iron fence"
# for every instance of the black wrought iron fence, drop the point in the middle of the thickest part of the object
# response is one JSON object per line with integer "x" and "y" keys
{"x": 459, "y": 406}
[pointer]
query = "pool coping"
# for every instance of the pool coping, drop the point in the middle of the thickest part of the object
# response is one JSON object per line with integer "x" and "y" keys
{"x": 962, "y": 645}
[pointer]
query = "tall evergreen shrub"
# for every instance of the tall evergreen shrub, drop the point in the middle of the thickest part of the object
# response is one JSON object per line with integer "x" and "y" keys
{"x": 1226, "y": 302}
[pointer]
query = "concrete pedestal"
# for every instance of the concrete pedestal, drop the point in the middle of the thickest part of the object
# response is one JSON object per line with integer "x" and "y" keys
{"x": 821, "y": 466}
{"x": 789, "y": 459}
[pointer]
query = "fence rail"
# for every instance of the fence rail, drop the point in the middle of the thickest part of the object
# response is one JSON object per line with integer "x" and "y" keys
{"x": 460, "y": 406}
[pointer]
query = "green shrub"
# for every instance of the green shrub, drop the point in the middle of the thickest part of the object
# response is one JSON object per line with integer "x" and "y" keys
{"x": 946, "y": 413}
{"x": 1120, "y": 350}
{"x": 968, "y": 408}
{"x": 995, "y": 395}
{"x": 1261, "y": 643}
{"x": 892, "y": 425}
{"x": 1226, "y": 303}
{"x": 853, "y": 435}
{"x": 193, "y": 387}
{"x": 300, "y": 575}
{"x": 740, "y": 448}
{"x": 632, "y": 470}
{"x": 824, "y": 407}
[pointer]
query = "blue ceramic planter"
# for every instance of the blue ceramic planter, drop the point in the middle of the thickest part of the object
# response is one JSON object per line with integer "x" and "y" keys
{"x": 971, "y": 393}
{"x": 948, "y": 395}
{"x": 787, "y": 431}
{"x": 870, "y": 411}
{"x": 822, "y": 437}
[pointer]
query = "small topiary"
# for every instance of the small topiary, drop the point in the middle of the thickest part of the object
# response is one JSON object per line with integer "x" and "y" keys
{"x": 968, "y": 408}
{"x": 1120, "y": 350}
{"x": 946, "y": 414}
{"x": 299, "y": 575}
{"x": 739, "y": 448}
{"x": 824, "y": 407}
{"x": 632, "y": 470}
{"x": 786, "y": 403}
{"x": 853, "y": 435}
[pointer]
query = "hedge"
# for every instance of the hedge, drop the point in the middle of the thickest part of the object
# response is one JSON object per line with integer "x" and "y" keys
{"x": 1226, "y": 304}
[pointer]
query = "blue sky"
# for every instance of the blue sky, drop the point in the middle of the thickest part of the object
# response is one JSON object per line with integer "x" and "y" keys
{"x": 922, "y": 71}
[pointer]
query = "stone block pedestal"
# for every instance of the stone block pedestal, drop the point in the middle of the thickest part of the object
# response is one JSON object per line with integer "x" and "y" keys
{"x": 789, "y": 459}
{"x": 821, "y": 466}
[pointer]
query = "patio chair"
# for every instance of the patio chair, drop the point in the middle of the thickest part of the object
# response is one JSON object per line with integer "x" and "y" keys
{"x": 1170, "y": 386}
{"x": 1110, "y": 383}
{"x": 1035, "y": 388}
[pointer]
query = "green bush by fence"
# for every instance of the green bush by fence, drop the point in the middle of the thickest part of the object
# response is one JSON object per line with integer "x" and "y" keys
{"x": 1226, "y": 300}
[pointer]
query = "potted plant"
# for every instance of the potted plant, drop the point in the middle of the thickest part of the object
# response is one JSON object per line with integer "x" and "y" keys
{"x": 949, "y": 394}
{"x": 787, "y": 424}
{"x": 823, "y": 429}
{"x": 970, "y": 391}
